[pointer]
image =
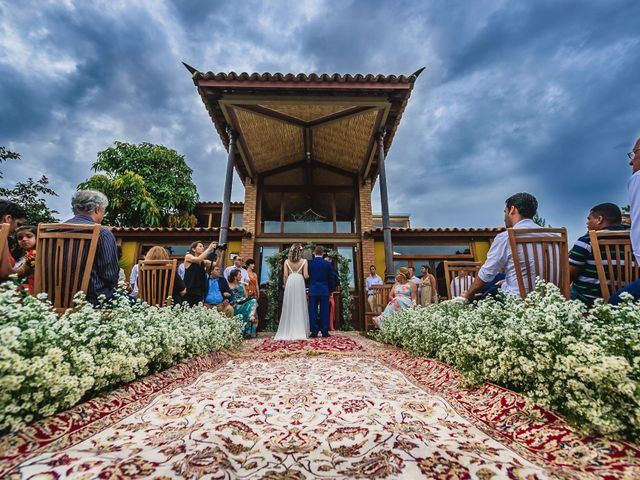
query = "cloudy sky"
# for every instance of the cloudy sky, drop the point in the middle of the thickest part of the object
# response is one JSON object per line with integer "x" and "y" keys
{"x": 540, "y": 96}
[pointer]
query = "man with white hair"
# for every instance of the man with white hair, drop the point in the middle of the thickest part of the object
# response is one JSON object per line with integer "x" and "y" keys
{"x": 89, "y": 207}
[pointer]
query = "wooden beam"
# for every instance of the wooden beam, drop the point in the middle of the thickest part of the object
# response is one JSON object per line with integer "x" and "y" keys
{"x": 367, "y": 159}
{"x": 272, "y": 114}
{"x": 284, "y": 168}
{"x": 245, "y": 152}
{"x": 349, "y": 112}
{"x": 335, "y": 169}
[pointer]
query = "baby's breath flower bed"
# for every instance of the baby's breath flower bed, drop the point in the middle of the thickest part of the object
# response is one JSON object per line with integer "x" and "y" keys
{"x": 582, "y": 364}
{"x": 50, "y": 363}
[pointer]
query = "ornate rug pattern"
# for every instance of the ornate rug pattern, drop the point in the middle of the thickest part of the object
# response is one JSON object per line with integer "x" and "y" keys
{"x": 342, "y": 407}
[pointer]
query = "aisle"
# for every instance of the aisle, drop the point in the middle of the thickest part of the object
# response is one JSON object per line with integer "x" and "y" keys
{"x": 343, "y": 407}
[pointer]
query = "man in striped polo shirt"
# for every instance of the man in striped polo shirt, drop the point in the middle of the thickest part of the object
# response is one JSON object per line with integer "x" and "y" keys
{"x": 582, "y": 266}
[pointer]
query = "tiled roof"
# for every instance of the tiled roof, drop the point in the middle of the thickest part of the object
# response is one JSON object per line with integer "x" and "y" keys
{"x": 172, "y": 229}
{"x": 442, "y": 230}
{"x": 303, "y": 77}
{"x": 218, "y": 203}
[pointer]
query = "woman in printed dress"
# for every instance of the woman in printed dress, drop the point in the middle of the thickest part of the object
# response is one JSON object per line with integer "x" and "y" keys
{"x": 243, "y": 304}
{"x": 403, "y": 295}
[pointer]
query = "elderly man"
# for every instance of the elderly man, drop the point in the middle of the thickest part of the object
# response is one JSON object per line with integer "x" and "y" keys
{"x": 634, "y": 203}
{"x": 238, "y": 261}
{"x": 89, "y": 207}
{"x": 518, "y": 213}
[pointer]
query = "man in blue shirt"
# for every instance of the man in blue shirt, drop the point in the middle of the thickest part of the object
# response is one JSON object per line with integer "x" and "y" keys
{"x": 219, "y": 293}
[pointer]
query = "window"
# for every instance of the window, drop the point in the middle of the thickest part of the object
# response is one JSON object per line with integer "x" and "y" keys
{"x": 236, "y": 220}
{"x": 431, "y": 250}
{"x": 175, "y": 251}
{"x": 349, "y": 254}
{"x": 265, "y": 253}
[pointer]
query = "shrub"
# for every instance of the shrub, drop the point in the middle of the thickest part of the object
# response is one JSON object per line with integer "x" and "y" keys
{"x": 50, "y": 363}
{"x": 582, "y": 364}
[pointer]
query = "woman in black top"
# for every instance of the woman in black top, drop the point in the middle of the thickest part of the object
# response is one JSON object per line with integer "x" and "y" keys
{"x": 195, "y": 265}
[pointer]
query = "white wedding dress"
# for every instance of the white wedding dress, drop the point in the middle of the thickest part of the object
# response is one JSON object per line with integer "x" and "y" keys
{"x": 294, "y": 317}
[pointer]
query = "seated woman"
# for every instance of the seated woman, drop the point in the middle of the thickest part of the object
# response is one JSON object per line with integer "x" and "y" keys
{"x": 179, "y": 288}
{"x": 243, "y": 305}
{"x": 26, "y": 255}
{"x": 403, "y": 295}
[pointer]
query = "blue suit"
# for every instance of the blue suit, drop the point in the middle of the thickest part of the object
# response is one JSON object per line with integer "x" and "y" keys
{"x": 321, "y": 279}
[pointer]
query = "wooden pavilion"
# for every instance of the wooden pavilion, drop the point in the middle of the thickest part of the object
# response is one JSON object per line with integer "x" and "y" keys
{"x": 309, "y": 150}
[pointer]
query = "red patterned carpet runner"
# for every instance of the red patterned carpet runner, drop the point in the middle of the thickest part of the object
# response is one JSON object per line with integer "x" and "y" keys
{"x": 341, "y": 407}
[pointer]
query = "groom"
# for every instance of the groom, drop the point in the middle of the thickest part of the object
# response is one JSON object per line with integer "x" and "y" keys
{"x": 320, "y": 287}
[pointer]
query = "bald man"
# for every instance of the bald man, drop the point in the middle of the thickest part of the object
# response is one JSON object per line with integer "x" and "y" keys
{"x": 634, "y": 203}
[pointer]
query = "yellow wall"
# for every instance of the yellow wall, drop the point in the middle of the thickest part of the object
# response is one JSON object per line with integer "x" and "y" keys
{"x": 129, "y": 253}
{"x": 233, "y": 247}
{"x": 481, "y": 248}
{"x": 379, "y": 250}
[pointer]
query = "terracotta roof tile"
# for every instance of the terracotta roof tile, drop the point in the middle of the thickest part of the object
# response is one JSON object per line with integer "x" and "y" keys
{"x": 171, "y": 229}
{"x": 303, "y": 77}
{"x": 442, "y": 230}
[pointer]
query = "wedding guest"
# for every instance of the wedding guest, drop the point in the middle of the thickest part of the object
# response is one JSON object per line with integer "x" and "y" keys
{"x": 26, "y": 255}
{"x": 219, "y": 294}
{"x": 427, "y": 288}
{"x": 372, "y": 279}
{"x": 195, "y": 265}
{"x": 253, "y": 286}
{"x": 582, "y": 264}
{"x": 238, "y": 262}
{"x": 518, "y": 213}
{"x": 179, "y": 288}
{"x": 121, "y": 276}
{"x": 89, "y": 207}
{"x": 460, "y": 283}
{"x": 332, "y": 302}
{"x": 403, "y": 295}
{"x": 634, "y": 203}
{"x": 133, "y": 280}
{"x": 412, "y": 277}
{"x": 243, "y": 304}
{"x": 14, "y": 215}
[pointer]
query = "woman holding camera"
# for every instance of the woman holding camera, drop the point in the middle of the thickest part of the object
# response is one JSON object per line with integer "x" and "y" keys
{"x": 195, "y": 266}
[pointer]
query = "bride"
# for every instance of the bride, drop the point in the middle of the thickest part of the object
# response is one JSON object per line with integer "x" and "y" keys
{"x": 294, "y": 317}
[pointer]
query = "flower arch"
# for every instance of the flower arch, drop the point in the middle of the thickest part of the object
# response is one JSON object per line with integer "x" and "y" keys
{"x": 276, "y": 262}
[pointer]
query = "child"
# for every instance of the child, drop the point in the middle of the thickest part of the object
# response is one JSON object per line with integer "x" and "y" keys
{"x": 25, "y": 265}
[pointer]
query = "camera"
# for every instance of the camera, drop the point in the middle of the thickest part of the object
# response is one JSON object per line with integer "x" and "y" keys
{"x": 222, "y": 246}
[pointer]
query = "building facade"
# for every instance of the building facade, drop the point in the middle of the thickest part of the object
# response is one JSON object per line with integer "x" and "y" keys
{"x": 309, "y": 150}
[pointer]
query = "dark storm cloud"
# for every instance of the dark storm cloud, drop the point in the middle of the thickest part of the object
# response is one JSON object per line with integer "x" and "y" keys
{"x": 536, "y": 96}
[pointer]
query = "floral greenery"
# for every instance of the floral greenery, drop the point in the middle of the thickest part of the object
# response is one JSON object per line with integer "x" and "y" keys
{"x": 276, "y": 262}
{"x": 50, "y": 363}
{"x": 582, "y": 364}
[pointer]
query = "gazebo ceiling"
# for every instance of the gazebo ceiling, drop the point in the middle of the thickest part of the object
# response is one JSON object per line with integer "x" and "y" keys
{"x": 282, "y": 120}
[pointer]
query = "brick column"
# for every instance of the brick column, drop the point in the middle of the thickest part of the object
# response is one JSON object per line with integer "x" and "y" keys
{"x": 366, "y": 223}
{"x": 249, "y": 218}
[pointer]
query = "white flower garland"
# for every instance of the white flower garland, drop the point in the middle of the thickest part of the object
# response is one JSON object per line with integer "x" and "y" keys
{"x": 582, "y": 364}
{"x": 50, "y": 363}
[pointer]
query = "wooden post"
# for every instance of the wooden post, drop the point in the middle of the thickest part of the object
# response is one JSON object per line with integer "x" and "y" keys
{"x": 228, "y": 182}
{"x": 384, "y": 201}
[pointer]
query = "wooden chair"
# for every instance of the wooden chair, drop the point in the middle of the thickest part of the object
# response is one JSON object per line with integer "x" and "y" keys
{"x": 452, "y": 270}
{"x": 65, "y": 255}
{"x": 540, "y": 252}
{"x": 616, "y": 264}
{"x": 155, "y": 281}
{"x": 4, "y": 236}
{"x": 380, "y": 301}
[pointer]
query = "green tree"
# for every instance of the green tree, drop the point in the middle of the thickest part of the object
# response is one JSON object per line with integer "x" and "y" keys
{"x": 147, "y": 186}
{"x": 29, "y": 194}
{"x": 540, "y": 221}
